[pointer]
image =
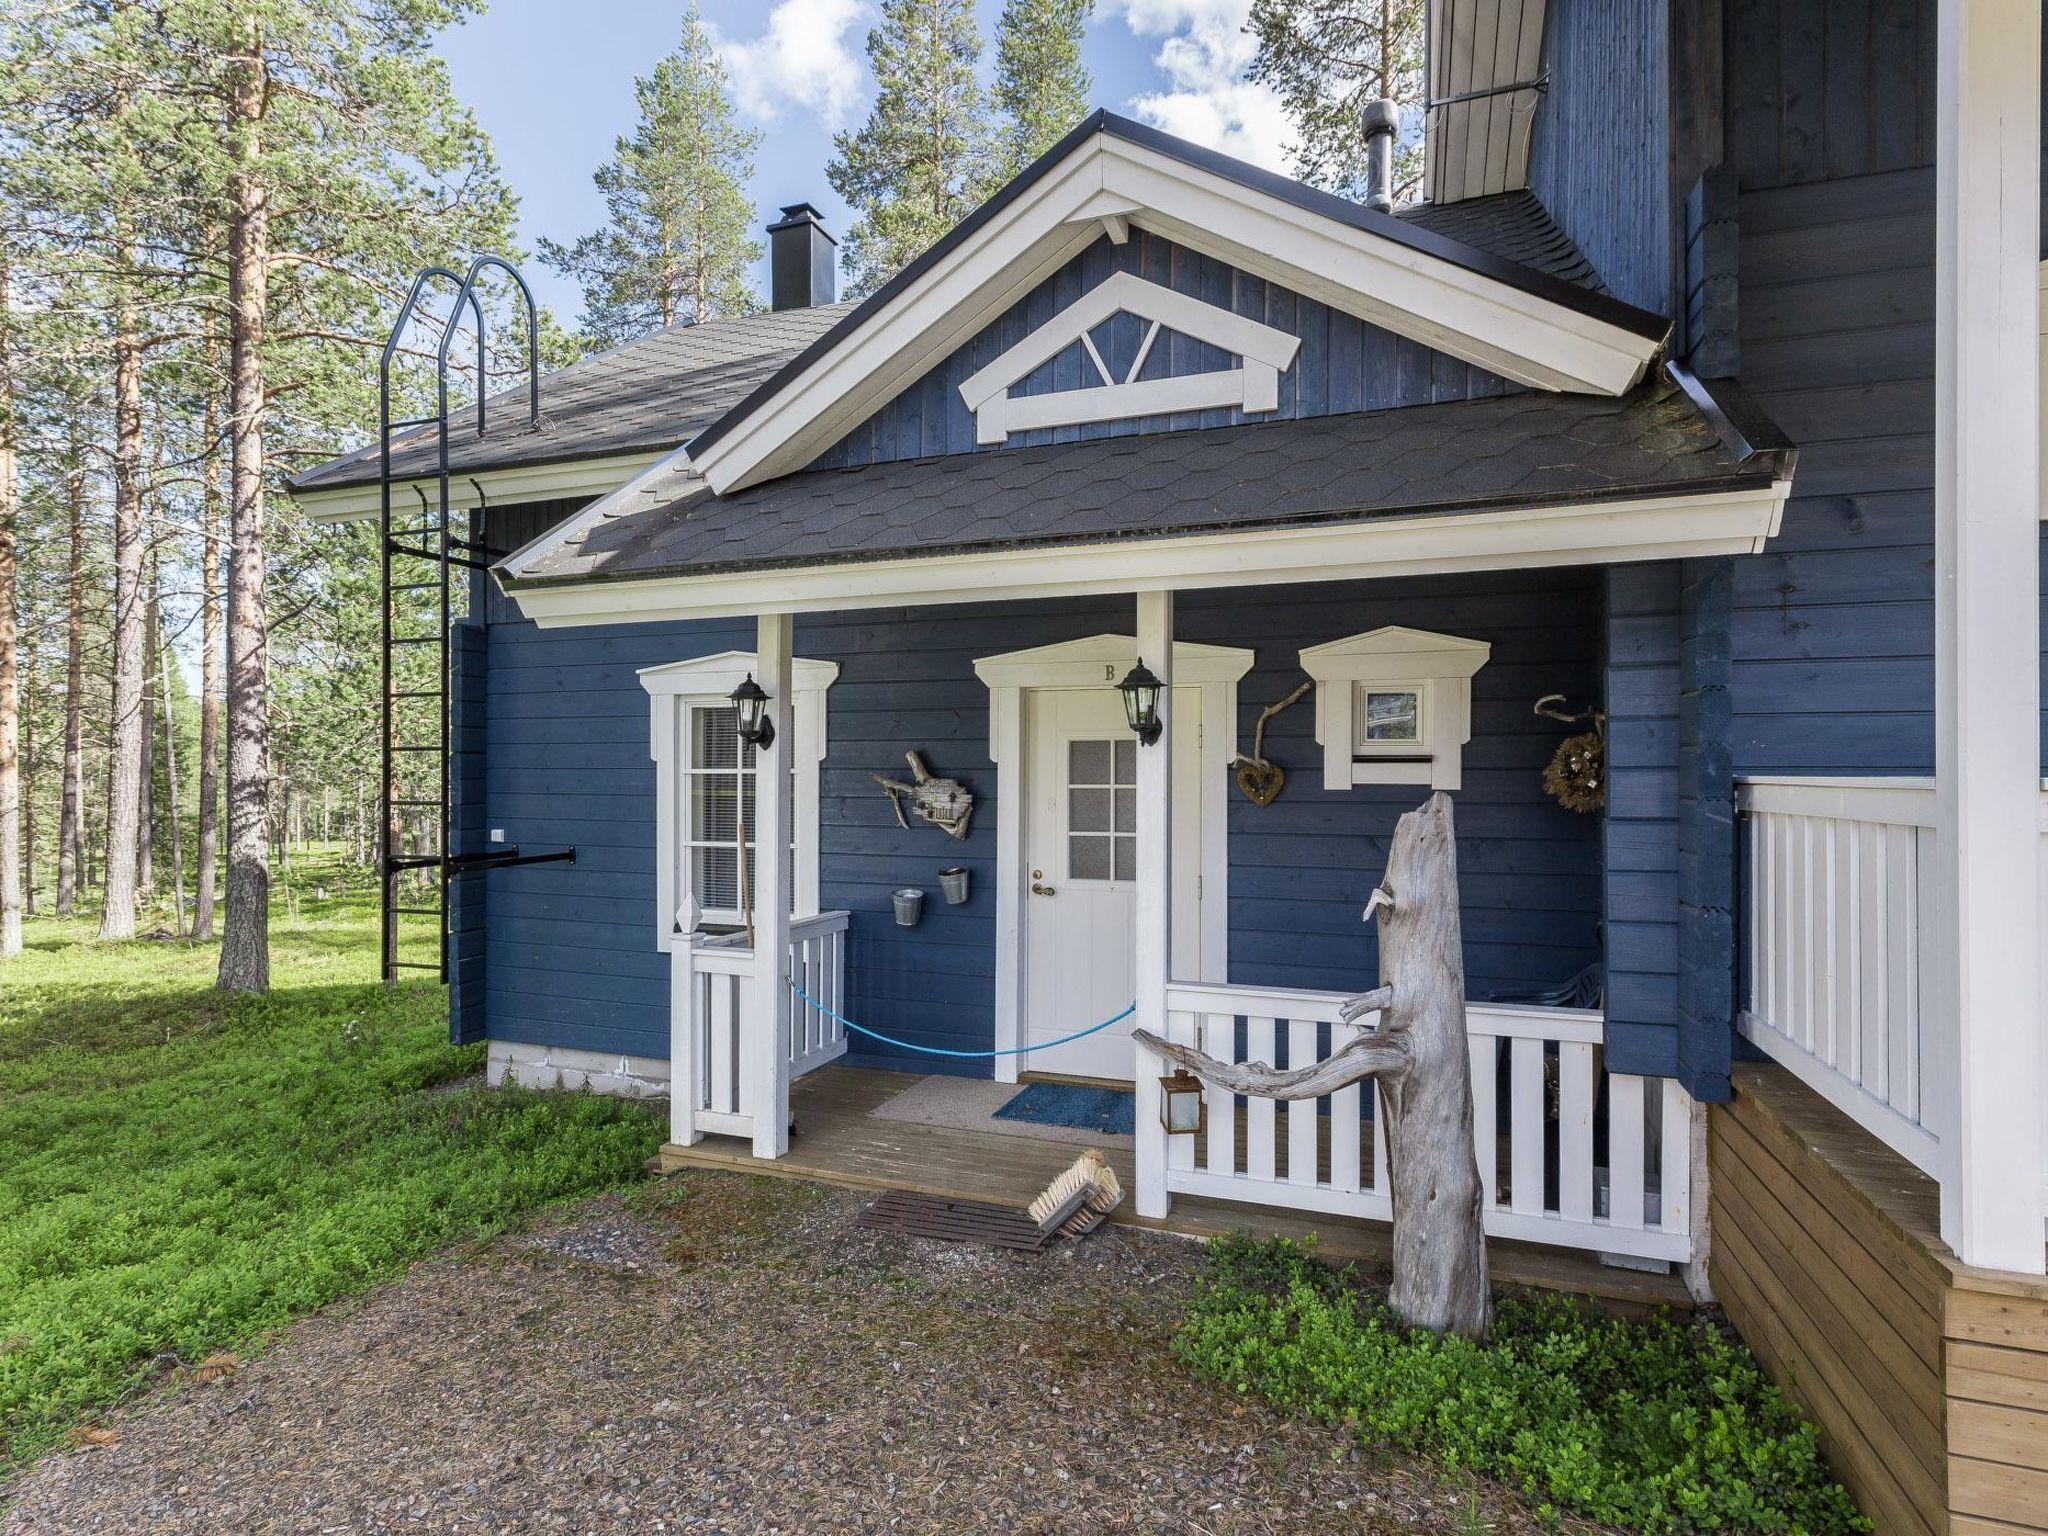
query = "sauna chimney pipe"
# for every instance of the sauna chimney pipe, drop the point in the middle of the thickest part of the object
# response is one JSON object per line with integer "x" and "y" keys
{"x": 803, "y": 260}
{"x": 1381, "y": 121}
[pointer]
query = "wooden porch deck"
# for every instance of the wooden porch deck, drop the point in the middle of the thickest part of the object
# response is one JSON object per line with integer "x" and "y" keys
{"x": 837, "y": 1141}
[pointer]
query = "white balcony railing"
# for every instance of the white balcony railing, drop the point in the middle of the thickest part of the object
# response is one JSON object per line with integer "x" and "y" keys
{"x": 1561, "y": 1162}
{"x": 712, "y": 995}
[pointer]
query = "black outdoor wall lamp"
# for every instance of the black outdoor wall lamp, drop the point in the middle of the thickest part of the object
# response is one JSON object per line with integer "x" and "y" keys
{"x": 1141, "y": 701}
{"x": 756, "y": 729}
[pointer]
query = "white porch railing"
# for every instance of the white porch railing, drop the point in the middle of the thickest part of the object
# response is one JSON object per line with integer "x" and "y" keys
{"x": 1553, "y": 1177}
{"x": 711, "y": 994}
{"x": 1839, "y": 983}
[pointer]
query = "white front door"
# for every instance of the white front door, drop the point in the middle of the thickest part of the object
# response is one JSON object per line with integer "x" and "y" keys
{"x": 1081, "y": 851}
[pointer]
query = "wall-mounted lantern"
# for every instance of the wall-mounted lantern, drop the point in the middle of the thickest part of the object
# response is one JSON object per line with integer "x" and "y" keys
{"x": 1141, "y": 702}
{"x": 1183, "y": 1107}
{"x": 756, "y": 729}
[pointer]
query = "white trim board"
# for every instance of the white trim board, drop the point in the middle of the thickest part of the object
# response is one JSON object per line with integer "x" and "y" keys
{"x": 1097, "y": 661}
{"x": 1660, "y": 528}
{"x": 1254, "y": 386}
{"x": 1479, "y": 319}
{"x": 507, "y": 486}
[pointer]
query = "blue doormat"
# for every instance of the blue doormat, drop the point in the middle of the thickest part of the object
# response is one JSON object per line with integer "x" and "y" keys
{"x": 1112, "y": 1111}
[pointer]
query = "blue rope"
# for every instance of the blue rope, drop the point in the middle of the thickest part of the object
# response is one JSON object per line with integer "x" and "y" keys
{"x": 934, "y": 1050}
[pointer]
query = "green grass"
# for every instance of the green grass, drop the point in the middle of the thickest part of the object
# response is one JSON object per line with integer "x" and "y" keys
{"x": 183, "y": 1171}
{"x": 1650, "y": 1426}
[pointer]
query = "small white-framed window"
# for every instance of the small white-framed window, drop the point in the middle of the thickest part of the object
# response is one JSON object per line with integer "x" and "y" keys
{"x": 706, "y": 787}
{"x": 1394, "y": 706}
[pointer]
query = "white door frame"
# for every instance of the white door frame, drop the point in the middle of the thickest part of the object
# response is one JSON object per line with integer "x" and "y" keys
{"x": 1094, "y": 662}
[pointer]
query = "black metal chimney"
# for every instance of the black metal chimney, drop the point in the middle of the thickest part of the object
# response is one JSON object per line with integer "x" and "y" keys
{"x": 803, "y": 261}
{"x": 1381, "y": 124}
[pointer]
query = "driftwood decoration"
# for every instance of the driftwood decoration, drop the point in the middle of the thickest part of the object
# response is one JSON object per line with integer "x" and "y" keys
{"x": 1424, "y": 1066}
{"x": 1261, "y": 780}
{"x": 945, "y": 803}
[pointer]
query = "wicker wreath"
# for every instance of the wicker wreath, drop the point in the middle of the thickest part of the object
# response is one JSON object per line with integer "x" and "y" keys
{"x": 1577, "y": 776}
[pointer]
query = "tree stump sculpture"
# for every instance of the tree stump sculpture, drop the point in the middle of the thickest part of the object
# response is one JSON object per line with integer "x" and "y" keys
{"x": 1419, "y": 1054}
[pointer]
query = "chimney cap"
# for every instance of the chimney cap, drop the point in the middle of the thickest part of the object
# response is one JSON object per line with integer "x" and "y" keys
{"x": 1381, "y": 117}
{"x": 794, "y": 214}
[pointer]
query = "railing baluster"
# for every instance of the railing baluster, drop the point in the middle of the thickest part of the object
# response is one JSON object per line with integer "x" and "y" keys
{"x": 1344, "y": 1127}
{"x": 1259, "y": 1127}
{"x": 1219, "y": 1039}
{"x": 1485, "y": 1116}
{"x": 1525, "y": 1128}
{"x": 1301, "y": 1113}
{"x": 1575, "y": 1130}
{"x": 1675, "y": 1163}
{"x": 1183, "y": 1029}
{"x": 1625, "y": 1150}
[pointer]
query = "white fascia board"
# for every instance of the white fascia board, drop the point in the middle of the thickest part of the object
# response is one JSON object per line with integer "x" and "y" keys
{"x": 921, "y": 326}
{"x": 501, "y": 487}
{"x": 1672, "y": 527}
{"x": 1479, "y": 319}
{"x": 667, "y": 479}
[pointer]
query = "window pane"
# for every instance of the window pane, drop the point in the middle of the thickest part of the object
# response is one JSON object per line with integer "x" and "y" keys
{"x": 714, "y": 737}
{"x": 1126, "y": 760}
{"x": 1126, "y": 858}
{"x": 1088, "y": 810}
{"x": 714, "y": 875}
{"x": 713, "y": 798}
{"x": 1126, "y": 810}
{"x": 1087, "y": 762}
{"x": 1088, "y": 858}
{"x": 1390, "y": 716}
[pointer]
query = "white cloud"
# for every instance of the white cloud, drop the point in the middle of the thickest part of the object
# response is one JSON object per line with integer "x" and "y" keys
{"x": 1203, "y": 53}
{"x": 802, "y": 60}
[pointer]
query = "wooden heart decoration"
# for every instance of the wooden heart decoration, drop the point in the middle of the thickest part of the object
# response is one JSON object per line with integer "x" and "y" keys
{"x": 1261, "y": 781}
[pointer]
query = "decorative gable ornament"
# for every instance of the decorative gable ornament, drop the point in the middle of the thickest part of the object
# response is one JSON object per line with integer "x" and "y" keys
{"x": 1394, "y": 706}
{"x": 1253, "y": 387}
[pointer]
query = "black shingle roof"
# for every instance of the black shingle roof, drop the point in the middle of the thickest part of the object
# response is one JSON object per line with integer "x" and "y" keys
{"x": 649, "y": 395}
{"x": 1520, "y": 450}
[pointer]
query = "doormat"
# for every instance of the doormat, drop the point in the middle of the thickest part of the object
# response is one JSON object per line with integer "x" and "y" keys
{"x": 1107, "y": 1111}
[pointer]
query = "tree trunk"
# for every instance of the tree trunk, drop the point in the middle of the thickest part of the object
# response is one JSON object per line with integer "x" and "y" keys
{"x": 1421, "y": 1057}
{"x": 209, "y": 669}
{"x": 128, "y": 761}
{"x": 245, "y": 943}
{"x": 145, "y": 798}
{"x": 71, "y": 792}
{"x": 171, "y": 794}
{"x": 10, "y": 681}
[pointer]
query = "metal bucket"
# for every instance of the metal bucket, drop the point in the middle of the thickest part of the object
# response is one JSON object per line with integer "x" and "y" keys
{"x": 953, "y": 885}
{"x": 909, "y": 906}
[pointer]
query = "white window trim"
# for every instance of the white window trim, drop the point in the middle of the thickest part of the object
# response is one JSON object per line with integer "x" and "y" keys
{"x": 1436, "y": 667}
{"x": 671, "y": 689}
{"x": 1264, "y": 354}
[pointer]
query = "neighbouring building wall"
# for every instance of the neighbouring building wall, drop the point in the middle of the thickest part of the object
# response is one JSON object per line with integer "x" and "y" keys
{"x": 1600, "y": 160}
{"x": 1343, "y": 365}
{"x": 569, "y": 952}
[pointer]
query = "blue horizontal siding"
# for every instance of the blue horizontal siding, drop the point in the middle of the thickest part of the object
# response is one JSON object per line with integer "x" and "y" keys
{"x": 569, "y": 951}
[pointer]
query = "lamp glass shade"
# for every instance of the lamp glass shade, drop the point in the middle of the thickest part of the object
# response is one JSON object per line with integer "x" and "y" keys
{"x": 1183, "y": 1107}
{"x": 1140, "y": 689}
{"x": 752, "y": 704}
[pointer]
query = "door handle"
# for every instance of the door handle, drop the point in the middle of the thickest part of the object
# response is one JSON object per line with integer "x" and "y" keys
{"x": 1041, "y": 890}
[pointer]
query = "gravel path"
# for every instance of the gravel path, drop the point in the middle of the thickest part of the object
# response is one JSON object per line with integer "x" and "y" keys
{"x": 720, "y": 1353}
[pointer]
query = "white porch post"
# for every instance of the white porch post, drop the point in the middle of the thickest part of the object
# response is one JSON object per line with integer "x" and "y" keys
{"x": 767, "y": 1031}
{"x": 685, "y": 1053}
{"x": 1987, "y": 625}
{"x": 1153, "y": 937}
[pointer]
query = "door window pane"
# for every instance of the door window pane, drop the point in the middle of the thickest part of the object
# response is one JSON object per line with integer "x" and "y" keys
{"x": 1102, "y": 809}
{"x": 1392, "y": 715}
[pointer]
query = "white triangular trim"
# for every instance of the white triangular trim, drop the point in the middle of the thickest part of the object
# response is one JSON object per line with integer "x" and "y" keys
{"x": 1480, "y": 319}
{"x": 1103, "y": 659}
{"x": 1265, "y": 354}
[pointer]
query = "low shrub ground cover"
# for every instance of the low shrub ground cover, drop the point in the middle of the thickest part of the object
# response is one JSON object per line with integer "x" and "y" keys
{"x": 182, "y": 1171}
{"x": 1653, "y": 1426}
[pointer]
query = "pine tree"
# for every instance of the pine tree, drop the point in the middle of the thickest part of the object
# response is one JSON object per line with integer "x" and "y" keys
{"x": 1041, "y": 84}
{"x": 912, "y": 170}
{"x": 1326, "y": 59}
{"x": 677, "y": 247}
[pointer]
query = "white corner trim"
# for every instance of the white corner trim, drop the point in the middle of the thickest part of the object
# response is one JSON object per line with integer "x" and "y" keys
{"x": 1265, "y": 354}
{"x": 501, "y": 487}
{"x": 1437, "y": 668}
{"x": 1479, "y": 319}
{"x": 1660, "y": 528}
{"x": 704, "y": 679}
{"x": 1098, "y": 661}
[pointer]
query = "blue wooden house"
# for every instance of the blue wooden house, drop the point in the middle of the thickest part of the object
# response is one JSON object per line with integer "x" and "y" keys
{"x": 1697, "y": 402}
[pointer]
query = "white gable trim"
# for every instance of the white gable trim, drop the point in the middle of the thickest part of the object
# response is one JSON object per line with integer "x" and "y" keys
{"x": 1255, "y": 386}
{"x": 1480, "y": 319}
{"x": 1663, "y": 528}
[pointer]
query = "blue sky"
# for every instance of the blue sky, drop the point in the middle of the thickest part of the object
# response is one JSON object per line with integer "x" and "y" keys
{"x": 553, "y": 85}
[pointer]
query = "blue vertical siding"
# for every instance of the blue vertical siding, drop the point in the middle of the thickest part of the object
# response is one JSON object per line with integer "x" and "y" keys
{"x": 569, "y": 952}
{"x": 1706, "y": 830}
{"x": 1343, "y": 364}
{"x": 469, "y": 658}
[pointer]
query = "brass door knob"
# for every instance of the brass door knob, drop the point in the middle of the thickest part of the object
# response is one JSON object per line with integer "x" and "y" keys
{"x": 1041, "y": 890}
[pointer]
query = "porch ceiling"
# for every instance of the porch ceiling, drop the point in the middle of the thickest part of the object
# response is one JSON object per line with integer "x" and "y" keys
{"x": 1661, "y": 447}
